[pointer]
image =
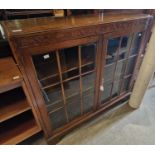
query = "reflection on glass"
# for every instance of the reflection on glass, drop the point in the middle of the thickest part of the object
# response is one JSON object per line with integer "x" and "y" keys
{"x": 122, "y": 54}
{"x": 70, "y": 74}
{"x": 71, "y": 87}
{"x": 136, "y": 43}
{"x": 126, "y": 84}
{"x": 88, "y": 100}
{"x": 105, "y": 95}
{"x": 69, "y": 58}
{"x": 45, "y": 64}
{"x": 131, "y": 65}
{"x": 124, "y": 42}
{"x": 125, "y": 46}
{"x": 73, "y": 107}
{"x": 113, "y": 46}
{"x": 54, "y": 106}
{"x": 116, "y": 88}
{"x": 58, "y": 118}
{"x": 52, "y": 94}
{"x": 120, "y": 68}
{"x": 49, "y": 81}
{"x": 108, "y": 72}
{"x": 88, "y": 81}
{"x": 88, "y": 53}
{"x": 88, "y": 68}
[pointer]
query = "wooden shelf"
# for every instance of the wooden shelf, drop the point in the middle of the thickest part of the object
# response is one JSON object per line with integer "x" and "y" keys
{"x": 10, "y": 76}
{"x": 67, "y": 79}
{"x": 17, "y": 121}
{"x": 65, "y": 70}
{"x": 8, "y": 111}
{"x": 19, "y": 133}
{"x": 18, "y": 128}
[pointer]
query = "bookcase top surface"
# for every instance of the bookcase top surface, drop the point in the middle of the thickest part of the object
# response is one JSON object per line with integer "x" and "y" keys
{"x": 33, "y": 25}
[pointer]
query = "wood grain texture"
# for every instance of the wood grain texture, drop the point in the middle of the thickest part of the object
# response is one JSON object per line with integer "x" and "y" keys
{"x": 44, "y": 31}
{"x": 10, "y": 76}
{"x": 15, "y": 102}
{"x": 42, "y": 35}
{"x": 8, "y": 111}
{"x": 26, "y": 26}
{"x": 19, "y": 133}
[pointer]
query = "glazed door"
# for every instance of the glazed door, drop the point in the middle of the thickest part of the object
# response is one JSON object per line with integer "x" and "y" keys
{"x": 119, "y": 60}
{"x": 67, "y": 82}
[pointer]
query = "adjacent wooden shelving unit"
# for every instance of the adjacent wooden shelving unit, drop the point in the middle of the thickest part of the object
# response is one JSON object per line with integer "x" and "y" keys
{"x": 17, "y": 121}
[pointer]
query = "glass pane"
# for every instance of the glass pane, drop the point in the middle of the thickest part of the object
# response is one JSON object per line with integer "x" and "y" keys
{"x": 49, "y": 81}
{"x": 55, "y": 105}
{"x": 88, "y": 100}
{"x": 70, "y": 74}
{"x": 126, "y": 84}
{"x": 73, "y": 107}
{"x": 88, "y": 53}
{"x": 69, "y": 58}
{"x": 72, "y": 87}
{"x": 45, "y": 64}
{"x": 123, "y": 54}
{"x": 58, "y": 118}
{"x": 136, "y": 43}
{"x": 120, "y": 68}
{"x": 113, "y": 46}
{"x": 125, "y": 46}
{"x": 131, "y": 65}
{"x": 106, "y": 93}
{"x": 88, "y": 68}
{"x": 88, "y": 81}
{"x": 52, "y": 94}
{"x": 124, "y": 42}
{"x": 116, "y": 88}
{"x": 108, "y": 72}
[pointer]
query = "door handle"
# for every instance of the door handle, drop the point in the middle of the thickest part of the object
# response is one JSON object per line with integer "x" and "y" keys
{"x": 101, "y": 88}
{"x": 102, "y": 85}
{"x": 2, "y": 31}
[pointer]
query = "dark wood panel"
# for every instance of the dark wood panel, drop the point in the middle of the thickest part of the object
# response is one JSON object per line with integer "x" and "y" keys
{"x": 46, "y": 36}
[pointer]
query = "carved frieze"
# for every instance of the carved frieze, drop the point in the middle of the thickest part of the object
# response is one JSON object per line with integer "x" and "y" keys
{"x": 54, "y": 36}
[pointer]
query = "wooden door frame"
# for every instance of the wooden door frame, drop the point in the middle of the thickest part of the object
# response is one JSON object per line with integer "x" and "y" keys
{"x": 32, "y": 76}
{"x": 106, "y": 37}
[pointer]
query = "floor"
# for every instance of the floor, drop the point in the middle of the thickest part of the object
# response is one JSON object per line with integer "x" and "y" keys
{"x": 122, "y": 125}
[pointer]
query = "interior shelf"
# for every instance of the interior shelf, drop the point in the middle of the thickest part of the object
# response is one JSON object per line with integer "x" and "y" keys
{"x": 69, "y": 78}
{"x": 13, "y": 109}
{"x": 18, "y": 128}
{"x": 65, "y": 70}
{"x": 13, "y": 102}
{"x": 10, "y": 76}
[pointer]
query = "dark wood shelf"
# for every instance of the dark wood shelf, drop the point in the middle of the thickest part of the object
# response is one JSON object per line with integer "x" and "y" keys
{"x": 50, "y": 85}
{"x": 64, "y": 70}
{"x": 67, "y": 79}
{"x": 18, "y": 133}
{"x": 8, "y": 111}
{"x": 10, "y": 76}
{"x": 17, "y": 121}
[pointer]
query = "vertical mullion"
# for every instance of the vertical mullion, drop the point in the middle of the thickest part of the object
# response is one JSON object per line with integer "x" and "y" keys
{"x": 117, "y": 56}
{"x": 127, "y": 59}
{"x": 80, "y": 64}
{"x": 62, "y": 87}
